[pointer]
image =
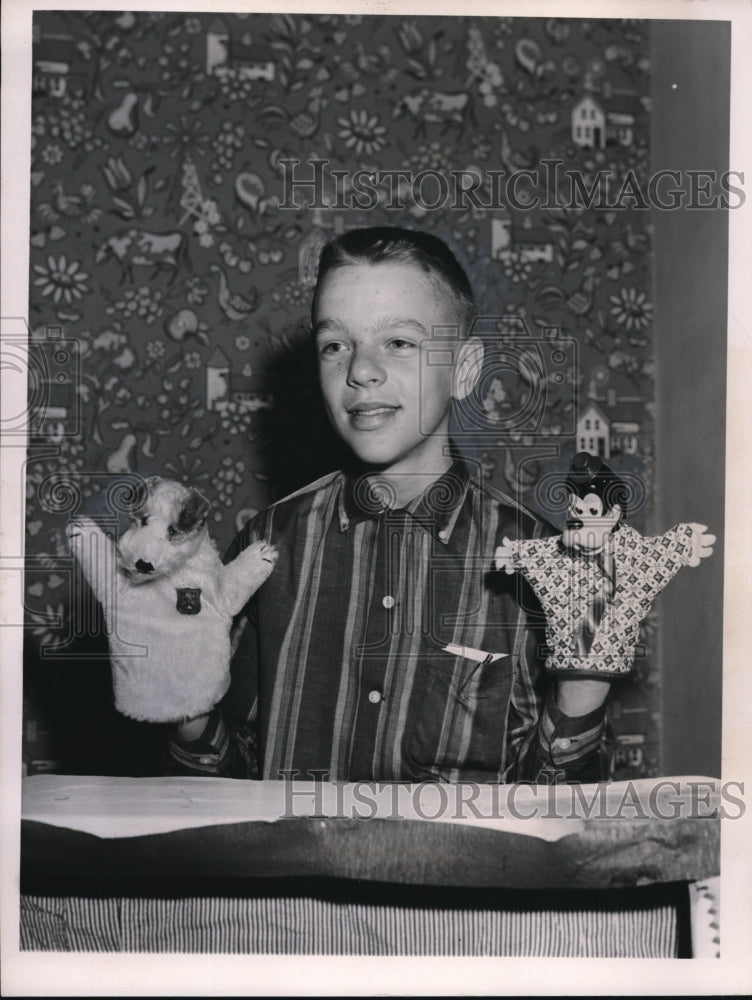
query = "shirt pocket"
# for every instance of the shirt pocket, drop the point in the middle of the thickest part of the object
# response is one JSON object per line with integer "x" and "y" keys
{"x": 457, "y": 715}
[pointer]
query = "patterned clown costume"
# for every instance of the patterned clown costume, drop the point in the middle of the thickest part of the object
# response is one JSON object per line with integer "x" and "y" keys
{"x": 594, "y": 602}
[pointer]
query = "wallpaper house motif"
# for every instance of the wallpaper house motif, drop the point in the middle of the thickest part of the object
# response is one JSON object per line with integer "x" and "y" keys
{"x": 172, "y": 270}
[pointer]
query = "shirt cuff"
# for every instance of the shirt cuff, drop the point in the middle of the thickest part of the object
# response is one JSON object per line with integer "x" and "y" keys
{"x": 567, "y": 739}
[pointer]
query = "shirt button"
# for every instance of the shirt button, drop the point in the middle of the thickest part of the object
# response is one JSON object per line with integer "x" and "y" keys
{"x": 563, "y": 743}
{"x": 206, "y": 760}
{"x": 374, "y": 697}
{"x": 443, "y": 535}
{"x": 388, "y": 601}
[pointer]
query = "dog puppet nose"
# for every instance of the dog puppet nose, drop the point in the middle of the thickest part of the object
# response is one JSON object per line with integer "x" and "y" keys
{"x": 144, "y": 567}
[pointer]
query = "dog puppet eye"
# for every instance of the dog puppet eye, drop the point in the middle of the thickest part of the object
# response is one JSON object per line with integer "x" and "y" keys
{"x": 171, "y": 531}
{"x": 144, "y": 520}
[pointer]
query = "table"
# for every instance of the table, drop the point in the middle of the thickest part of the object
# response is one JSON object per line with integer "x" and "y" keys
{"x": 203, "y": 864}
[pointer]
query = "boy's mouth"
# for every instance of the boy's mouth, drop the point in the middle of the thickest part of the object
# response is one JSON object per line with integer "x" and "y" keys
{"x": 370, "y": 416}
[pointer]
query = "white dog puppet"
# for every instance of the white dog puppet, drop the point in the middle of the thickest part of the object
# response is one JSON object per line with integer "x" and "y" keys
{"x": 168, "y": 602}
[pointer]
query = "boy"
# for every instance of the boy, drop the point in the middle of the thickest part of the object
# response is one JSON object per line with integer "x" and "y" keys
{"x": 383, "y": 646}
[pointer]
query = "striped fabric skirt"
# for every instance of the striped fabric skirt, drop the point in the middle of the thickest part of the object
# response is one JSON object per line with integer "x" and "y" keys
{"x": 310, "y": 925}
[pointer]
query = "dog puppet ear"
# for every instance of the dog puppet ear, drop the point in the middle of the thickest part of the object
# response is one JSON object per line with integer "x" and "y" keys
{"x": 151, "y": 483}
{"x": 194, "y": 511}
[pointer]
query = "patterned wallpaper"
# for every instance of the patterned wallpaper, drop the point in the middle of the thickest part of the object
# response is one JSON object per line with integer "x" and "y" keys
{"x": 186, "y": 171}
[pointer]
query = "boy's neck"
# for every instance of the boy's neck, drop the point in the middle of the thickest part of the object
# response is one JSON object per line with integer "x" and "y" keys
{"x": 400, "y": 486}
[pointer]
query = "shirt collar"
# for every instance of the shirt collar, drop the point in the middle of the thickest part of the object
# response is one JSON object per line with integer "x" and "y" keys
{"x": 436, "y": 509}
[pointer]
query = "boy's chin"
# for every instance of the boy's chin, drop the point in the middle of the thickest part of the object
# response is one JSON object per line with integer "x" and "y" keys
{"x": 375, "y": 459}
{"x": 381, "y": 452}
{"x": 374, "y": 451}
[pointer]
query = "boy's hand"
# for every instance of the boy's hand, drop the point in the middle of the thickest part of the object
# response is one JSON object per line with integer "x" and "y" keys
{"x": 504, "y": 555}
{"x": 702, "y": 544}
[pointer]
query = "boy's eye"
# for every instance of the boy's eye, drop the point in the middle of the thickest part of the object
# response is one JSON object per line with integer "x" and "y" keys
{"x": 402, "y": 345}
{"x": 332, "y": 348}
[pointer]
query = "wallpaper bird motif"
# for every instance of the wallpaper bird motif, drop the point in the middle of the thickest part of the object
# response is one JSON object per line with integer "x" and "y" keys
{"x": 187, "y": 170}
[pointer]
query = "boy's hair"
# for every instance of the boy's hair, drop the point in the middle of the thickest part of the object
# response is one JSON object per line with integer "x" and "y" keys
{"x": 387, "y": 244}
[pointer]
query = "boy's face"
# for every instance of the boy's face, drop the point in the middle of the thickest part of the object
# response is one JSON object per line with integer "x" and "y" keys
{"x": 373, "y": 327}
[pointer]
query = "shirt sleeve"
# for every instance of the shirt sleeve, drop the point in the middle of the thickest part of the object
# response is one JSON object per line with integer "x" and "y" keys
{"x": 564, "y": 748}
{"x": 528, "y": 688}
{"x": 530, "y": 684}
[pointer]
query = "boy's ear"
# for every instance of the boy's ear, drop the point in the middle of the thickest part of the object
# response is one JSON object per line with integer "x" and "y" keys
{"x": 468, "y": 367}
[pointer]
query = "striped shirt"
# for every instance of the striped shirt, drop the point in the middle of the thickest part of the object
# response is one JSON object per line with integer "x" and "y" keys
{"x": 373, "y": 650}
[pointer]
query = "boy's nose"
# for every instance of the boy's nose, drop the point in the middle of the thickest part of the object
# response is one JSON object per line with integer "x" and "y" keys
{"x": 365, "y": 370}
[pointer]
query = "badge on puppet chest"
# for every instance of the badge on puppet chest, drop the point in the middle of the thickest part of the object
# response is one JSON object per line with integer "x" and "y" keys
{"x": 189, "y": 600}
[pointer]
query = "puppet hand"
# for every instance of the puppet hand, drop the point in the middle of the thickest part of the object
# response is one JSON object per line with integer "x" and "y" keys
{"x": 244, "y": 575}
{"x": 78, "y": 526}
{"x": 83, "y": 531}
{"x": 504, "y": 555}
{"x": 95, "y": 551}
{"x": 702, "y": 544}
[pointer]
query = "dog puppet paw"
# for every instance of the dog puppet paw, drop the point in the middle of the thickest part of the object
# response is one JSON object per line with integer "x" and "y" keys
{"x": 248, "y": 570}
{"x": 258, "y": 561}
{"x": 79, "y": 527}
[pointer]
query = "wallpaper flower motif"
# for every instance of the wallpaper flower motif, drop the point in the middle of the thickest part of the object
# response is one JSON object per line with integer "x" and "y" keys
{"x": 169, "y": 255}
